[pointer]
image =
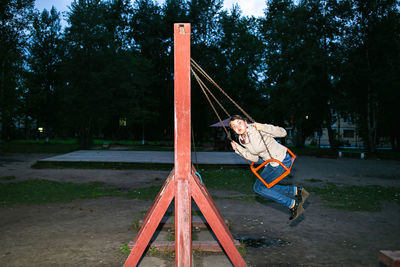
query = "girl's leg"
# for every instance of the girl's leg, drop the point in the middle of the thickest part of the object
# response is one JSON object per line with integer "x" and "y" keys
{"x": 270, "y": 173}
{"x": 285, "y": 189}
{"x": 272, "y": 194}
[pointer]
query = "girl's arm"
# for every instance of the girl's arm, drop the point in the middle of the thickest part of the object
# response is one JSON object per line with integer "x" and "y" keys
{"x": 243, "y": 152}
{"x": 275, "y": 131}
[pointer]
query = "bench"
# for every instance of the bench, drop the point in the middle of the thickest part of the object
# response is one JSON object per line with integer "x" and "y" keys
{"x": 389, "y": 258}
{"x": 342, "y": 152}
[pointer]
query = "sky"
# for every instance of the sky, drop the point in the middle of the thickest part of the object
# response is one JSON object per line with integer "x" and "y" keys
{"x": 248, "y": 7}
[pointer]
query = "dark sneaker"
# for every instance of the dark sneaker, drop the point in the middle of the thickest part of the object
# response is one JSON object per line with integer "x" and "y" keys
{"x": 302, "y": 195}
{"x": 296, "y": 211}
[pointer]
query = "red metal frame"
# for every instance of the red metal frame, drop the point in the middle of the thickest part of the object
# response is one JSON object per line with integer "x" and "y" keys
{"x": 182, "y": 183}
{"x": 283, "y": 175}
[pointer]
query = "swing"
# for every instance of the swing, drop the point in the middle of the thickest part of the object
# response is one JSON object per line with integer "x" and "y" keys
{"x": 280, "y": 177}
{"x": 253, "y": 169}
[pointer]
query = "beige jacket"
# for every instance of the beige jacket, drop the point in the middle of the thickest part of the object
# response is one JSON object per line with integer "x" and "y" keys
{"x": 254, "y": 147}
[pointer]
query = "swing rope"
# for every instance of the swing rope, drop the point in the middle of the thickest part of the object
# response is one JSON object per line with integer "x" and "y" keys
{"x": 201, "y": 71}
{"x": 204, "y": 87}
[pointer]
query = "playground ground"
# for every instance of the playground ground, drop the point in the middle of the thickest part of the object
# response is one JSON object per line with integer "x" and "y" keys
{"x": 91, "y": 232}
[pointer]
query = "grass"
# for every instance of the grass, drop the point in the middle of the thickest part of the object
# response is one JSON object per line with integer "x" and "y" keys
{"x": 338, "y": 196}
{"x": 147, "y": 193}
{"x": 7, "y": 178}
{"x": 357, "y": 198}
{"x": 125, "y": 249}
{"x": 101, "y": 165}
{"x": 237, "y": 179}
{"x": 30, "y": 146}
{"x": 312, "y": 180}
{"x": 37, "y": 191}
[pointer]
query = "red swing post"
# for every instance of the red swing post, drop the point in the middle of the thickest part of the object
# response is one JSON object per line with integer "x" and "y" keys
{"x": 182, "y": 129}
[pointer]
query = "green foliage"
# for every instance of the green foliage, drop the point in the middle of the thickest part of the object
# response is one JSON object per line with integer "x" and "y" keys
{"x": 32, "y": 147}
{"x": 236, "y": 179}
{"x": 101, "y": 165}
{"x": 312, "y": 180}
{"x": 15, "y": 21}
{"x": 357, "y": 198}
{"x": 42, "y": 97}
{"x": 351, "y": 198}
{"x": 105, "y": 80}
{"x": 114, "y": 62}
{"x": 7, "y": 178}
{"x": 125, "y": 249}
{"x": 147, "y": 193}
{"x": 45, "y": 191}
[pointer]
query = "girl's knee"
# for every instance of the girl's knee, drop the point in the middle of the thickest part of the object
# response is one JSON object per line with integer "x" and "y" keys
{"x": 257, "y": 187}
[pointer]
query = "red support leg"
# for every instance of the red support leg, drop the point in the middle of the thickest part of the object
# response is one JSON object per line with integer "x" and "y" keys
{"x": 215, "y": 220}
{"x": 151, "y": 221}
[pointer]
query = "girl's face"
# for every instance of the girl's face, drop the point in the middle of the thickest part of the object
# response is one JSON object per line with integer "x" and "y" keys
{"x": 239, "y": 126}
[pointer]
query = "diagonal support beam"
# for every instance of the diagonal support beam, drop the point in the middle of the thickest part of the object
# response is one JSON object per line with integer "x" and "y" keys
{"x": 208, "y": 208}
{"x": 152, "y": 220}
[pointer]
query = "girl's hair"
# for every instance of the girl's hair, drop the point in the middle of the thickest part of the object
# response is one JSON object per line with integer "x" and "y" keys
{"x": 236, "y": 117}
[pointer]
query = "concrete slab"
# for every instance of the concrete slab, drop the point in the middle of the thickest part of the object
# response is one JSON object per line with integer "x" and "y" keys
{"x": 148, "y": 261}
{"x": 206, "y": 236}
{"x": 164, "y": 157}
{"x": 211, "y": 260}
{"x": 216, "y": 261}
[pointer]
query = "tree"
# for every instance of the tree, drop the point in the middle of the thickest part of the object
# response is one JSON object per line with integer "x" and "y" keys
{"x": 301, "y": 62}
{"x": 241, "y": 51}
{"x": 288, "y": 73}
{"x": 206, "y": 29}
{"x": 371, "y": 65}
{"x": 15, "y": 19}
{"x": 43, "y": 79}
{"x": 152, "y": 40}
{"x": 105, "y": 80}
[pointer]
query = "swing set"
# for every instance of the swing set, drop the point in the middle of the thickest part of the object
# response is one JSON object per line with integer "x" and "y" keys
{"x": 183, "y": 184}
{"x": 196, "y": 69}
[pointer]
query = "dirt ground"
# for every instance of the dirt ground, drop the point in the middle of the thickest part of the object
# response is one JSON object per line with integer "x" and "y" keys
{"x": 91, "y": 232}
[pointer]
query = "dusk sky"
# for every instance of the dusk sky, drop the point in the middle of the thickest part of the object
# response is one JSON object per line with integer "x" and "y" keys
{"x": 249, "y": 7}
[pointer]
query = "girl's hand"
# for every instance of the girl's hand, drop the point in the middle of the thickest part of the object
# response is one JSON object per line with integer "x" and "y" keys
{"x": 234, "y": 145}
{"x": 258, "y": 126}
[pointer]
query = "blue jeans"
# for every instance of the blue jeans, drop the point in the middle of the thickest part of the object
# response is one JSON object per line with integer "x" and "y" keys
{"x": 277, "y": 193}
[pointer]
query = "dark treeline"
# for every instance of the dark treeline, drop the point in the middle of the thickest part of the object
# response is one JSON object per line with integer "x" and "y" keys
{"x": 109, "y": 72}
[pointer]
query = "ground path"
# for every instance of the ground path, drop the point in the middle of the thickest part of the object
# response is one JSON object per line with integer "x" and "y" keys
{"x": 90, "y": 232}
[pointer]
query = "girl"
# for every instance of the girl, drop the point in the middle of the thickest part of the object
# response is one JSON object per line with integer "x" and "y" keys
{"x": 257, "y": 140}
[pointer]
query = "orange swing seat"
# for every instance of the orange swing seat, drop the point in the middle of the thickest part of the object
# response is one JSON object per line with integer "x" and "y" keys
{"x": 280, "y": 177}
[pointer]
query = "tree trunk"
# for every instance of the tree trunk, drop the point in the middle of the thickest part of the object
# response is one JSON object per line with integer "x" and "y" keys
{"x": 85, "y": 135}
{"x": 298, "y": 135}
{"x": 2, "y": 84}
{"x": 371, "y": 110}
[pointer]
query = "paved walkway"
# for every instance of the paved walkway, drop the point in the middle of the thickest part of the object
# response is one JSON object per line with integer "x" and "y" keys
{"x": 167, "y": 157}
